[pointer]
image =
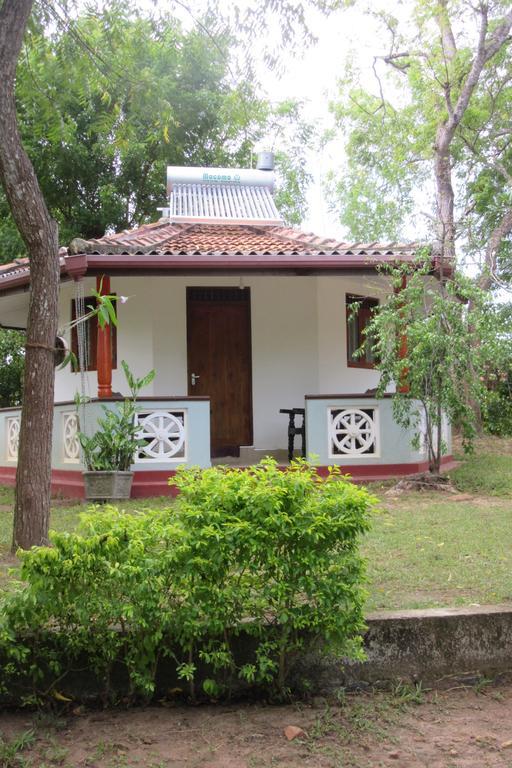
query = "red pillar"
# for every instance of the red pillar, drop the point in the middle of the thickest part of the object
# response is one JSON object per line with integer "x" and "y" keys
{"x": 403, "y": 386}
{"x": 104, "y": 347}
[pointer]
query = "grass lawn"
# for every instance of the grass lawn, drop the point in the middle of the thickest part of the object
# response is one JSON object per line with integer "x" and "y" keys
{"x": 424, "y": 549}
{"x": 436, "y": 549}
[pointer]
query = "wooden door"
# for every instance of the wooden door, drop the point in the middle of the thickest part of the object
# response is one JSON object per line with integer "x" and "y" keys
{"x": 219, "y": 363}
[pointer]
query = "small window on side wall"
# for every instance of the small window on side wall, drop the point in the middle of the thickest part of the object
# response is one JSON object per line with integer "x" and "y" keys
{"x": 91, "y": 337}
{"x": 359, "y": 310}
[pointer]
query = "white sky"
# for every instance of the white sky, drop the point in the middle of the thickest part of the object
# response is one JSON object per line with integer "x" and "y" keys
{"x": 311, "y": 76}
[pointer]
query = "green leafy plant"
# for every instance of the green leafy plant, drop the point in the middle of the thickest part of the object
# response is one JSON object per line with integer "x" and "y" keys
{"x": 11, "y": 749}
{"x": 451, "y": 338}
{"x": 113, "y": 445}
{"x": 232, "y": 583}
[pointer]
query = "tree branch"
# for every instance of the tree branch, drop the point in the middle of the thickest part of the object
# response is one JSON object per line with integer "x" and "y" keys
{"x": 486, "y": 49}
{"x": 502, "y": 230}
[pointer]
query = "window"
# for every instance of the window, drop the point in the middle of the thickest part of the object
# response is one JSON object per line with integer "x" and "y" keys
{"x": 91, "y": 337}
{"x": 359, "y": 311}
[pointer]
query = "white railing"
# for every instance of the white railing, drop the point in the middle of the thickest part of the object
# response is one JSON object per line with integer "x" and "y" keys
{"x": 165, "y": 435}
{"x": 173, "y": 430}
{"x": 70, "y": 442}
{"x": 12, "y": 435}
{"x": 353, "y": 431}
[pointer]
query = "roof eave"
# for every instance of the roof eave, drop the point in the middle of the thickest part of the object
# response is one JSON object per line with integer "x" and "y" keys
{"x": 80, "y": 265}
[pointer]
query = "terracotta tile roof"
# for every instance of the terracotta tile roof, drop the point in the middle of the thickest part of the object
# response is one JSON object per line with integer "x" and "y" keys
{"x": 166, "y": 237}
{"x": 185, "y": 248}
{"x": 16, "y": 267}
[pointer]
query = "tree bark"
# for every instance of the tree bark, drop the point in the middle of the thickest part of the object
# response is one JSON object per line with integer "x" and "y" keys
{"x": 499, "y": 233}
{"x": 39, "y": 232}
{"x": 488, "y": 45}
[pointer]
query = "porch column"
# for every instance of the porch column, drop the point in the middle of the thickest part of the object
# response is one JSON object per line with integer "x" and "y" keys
{"x": 104, "y": 346}
{"x": 403, "y": 386}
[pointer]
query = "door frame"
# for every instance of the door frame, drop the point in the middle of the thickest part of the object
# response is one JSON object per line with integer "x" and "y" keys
{"x": 248, "y": 303}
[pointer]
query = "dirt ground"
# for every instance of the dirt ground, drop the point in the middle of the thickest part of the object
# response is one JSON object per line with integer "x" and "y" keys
{"x": 455, "y": 728}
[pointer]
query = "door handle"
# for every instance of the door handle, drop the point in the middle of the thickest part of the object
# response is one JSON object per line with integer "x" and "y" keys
{"x": 193, "y": 378}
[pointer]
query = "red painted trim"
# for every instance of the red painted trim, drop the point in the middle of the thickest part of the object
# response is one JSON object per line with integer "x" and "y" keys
{"x": 76, "y": 266}
{"x": 213, "y": 263}
{"x": 146, "y": 484}
{"x": 68, "y": 483}
{"x": 8, "y": 476}
{"x": 366, "y": 473}
{"x": 338, "y": 396}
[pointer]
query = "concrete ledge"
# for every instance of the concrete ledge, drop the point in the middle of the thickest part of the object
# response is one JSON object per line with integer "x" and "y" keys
{"x": 436, "y": 646}
{"x": 434, "y": 643}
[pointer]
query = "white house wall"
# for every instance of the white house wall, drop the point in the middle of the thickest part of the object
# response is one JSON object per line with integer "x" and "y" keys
{"x": 134, "y": 336}
{"x": 298, "y": 340}
{"x": 334, "y": 375}
{"x": 14, "y": 309}
{"x": 284, "y": 352}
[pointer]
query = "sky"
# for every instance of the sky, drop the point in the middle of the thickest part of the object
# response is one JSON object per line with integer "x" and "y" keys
{"x": 311, "y": 76}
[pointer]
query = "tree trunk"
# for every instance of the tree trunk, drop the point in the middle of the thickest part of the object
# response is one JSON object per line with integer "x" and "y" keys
{"x": 445, "y": 198}
{"x": 39, "y": 232}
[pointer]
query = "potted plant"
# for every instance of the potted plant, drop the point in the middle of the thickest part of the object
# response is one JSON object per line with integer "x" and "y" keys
{"x": 109, "y": 452}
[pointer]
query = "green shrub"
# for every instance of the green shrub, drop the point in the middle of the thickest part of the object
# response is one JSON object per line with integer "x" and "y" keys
{"x": 497, "y": 409}
{"x": 267, "y": 555}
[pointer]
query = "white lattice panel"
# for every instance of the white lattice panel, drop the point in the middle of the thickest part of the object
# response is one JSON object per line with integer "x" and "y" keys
{"x": 13, "y": 437}
{"x": 353, "y": 432}
{"x": 70, "y": 442}
{"x": 164, "y": 434}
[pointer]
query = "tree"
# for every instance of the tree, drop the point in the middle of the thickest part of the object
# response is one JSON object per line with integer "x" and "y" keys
{"x": 100, "y": 129}
{"x": 446, "y": 121}
{"x": 39, "y": 233}
{"x": 451, "y": 330}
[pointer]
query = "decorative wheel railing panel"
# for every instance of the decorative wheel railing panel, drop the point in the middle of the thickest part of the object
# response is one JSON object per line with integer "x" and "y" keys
{"x": 13, "y": 437}
{"x": 353, "y": 432}
{"x": 70, "y": 442}
{"x": 164, "y": 434}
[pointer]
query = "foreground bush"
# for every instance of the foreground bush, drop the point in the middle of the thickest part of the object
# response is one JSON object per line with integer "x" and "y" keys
{"x": 230, "y": 583}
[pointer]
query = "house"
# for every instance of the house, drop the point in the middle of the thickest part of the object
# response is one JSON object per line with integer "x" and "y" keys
{"x": 241, "y": 316}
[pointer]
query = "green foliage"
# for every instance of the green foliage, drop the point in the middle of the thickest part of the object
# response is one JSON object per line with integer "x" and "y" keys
{"x": 107, "y": 103}
{"x": 375, "y": 194}
{"x": 243, "y": 573}
{"x": 497, "y": 407}
{"x": 451, "y": 339}
{"x": 390, "y": 129}
{"x": 497, "y": 391}
{"x": 113, "y": 445}
{"x": 12, "y": 364}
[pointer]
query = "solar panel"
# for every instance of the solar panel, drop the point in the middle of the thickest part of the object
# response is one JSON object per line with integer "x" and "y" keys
{"x": 226, "y": 203}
